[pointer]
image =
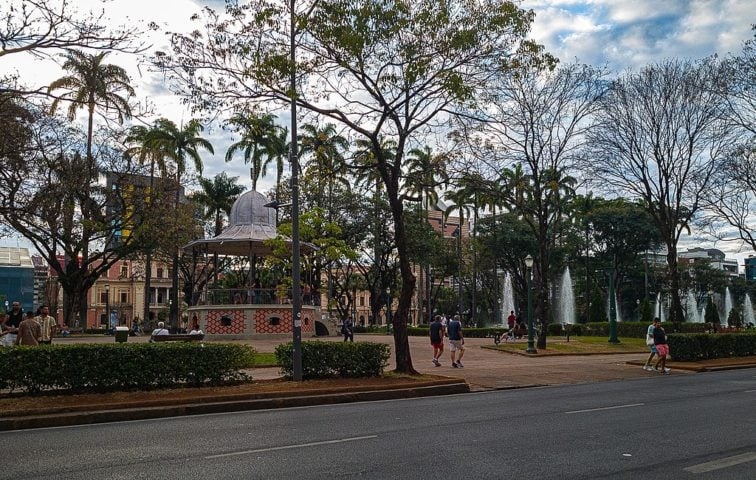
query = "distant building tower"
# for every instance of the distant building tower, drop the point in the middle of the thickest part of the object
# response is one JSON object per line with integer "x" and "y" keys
{"x": 17, "y": 277}
{"x": 750, "y": 268}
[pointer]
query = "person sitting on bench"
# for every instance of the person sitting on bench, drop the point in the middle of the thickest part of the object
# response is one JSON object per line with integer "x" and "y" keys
{"x": 160, "y": 330}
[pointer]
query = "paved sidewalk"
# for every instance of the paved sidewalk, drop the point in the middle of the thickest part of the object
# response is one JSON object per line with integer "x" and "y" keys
{"x": 490, "y": 369}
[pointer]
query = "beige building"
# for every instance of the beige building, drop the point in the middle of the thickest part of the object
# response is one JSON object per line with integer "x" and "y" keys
{"x": 120, "y": 293}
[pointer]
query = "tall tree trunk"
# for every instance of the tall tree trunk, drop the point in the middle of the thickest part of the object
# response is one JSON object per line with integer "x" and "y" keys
{"x": 401, "y": 341}
{"x": 676, "y": 315}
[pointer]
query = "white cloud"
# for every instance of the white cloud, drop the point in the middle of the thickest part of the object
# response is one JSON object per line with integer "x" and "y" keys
{"x": 627, "y": 35}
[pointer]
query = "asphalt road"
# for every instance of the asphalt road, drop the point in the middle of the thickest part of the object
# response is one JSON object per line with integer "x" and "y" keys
{"x": 699, "y": 426}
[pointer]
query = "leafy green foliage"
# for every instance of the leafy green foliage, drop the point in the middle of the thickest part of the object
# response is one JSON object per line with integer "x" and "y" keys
{"x": 689, "y": 348}
{"x": 635, "y": 329}
{"x": 122, "y": 366}
{"x": 335, "y": 359}
{"x": 735, "y": 319}
{"x": 711, "y": 315}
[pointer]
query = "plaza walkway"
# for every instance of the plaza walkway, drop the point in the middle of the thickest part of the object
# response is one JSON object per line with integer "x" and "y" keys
{"x": 483, "y": 368}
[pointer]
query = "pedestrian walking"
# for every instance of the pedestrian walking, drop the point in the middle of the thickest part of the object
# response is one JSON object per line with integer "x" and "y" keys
{"x": 456, "y": 341}
{"x": 347, "y": 329}
{"x": 437, "y": 339}
{"x": 662, "y": 349}
{"x": 650, "y": 342}
{"x": 511, "y": 319}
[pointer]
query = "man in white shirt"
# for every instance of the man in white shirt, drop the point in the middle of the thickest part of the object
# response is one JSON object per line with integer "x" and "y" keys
{"x": 47, "y": 323}
{"x": 160, "y": 330}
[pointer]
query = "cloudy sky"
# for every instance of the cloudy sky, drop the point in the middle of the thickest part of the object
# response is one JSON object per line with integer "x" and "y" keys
{"x": 621, "y": 34}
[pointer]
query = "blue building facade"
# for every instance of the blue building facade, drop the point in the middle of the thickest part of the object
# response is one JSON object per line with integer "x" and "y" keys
{"x": 16, "y": 278}
{"x": 750, "y": 269}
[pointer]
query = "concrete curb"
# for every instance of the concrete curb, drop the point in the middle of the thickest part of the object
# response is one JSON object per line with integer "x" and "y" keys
{"x": 315, "y": 397}
{"x": 699, "y": 368}
{"x": 541, "y": 353}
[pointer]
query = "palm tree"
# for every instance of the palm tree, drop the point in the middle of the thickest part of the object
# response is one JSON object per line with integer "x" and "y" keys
{"x": 460, "y": 200}
{"x": 144, "y": 147}
{"x": 217, "y": 197}
{"x": 179, "y": 145}
{"x": 427, "y": 172}
{"x": 367, "y": 173}
{"x": 326, "y": 148}
{"x": 279, "y": 147}
{"x": 91, "y": 84}
{"x": 260, "y": 137}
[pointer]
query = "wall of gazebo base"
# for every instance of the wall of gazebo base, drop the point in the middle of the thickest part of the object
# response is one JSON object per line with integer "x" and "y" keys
{"x": 253, "y": 321}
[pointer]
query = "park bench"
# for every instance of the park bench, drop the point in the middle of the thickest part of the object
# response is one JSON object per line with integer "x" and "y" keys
{"x": 182, "y": 337}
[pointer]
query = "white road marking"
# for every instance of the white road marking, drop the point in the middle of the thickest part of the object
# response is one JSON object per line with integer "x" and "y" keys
{"x": 749, "y": 391}
{"x": 614, "y": 407}
{"x": 288, "y": 447}
{"x": 722, "y": 463}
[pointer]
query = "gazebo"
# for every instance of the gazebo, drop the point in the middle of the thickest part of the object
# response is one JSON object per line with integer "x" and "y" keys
{"x": 251, "y": 311}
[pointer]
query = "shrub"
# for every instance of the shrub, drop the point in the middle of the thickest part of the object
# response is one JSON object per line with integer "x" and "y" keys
{"x": 636, "y": 329}
{"x": 122, "y": 366}
{"x": 702, "y": 346}
{"x": 370, "y": 329}
{"x": 554, "y": 329}
{"x": 335, "y": 359}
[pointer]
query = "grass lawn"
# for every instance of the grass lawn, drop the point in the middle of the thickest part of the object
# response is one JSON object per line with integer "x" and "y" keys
{"x": 265, "y": 360}
{"x": 578, "y": 345}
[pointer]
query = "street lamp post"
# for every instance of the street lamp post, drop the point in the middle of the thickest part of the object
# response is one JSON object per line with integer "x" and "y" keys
{"x": 430, "y": 295}
{"x": 296, "y": 304}
{"x": 531, "y": 343}
{"x": 107, "y": 308}
{"x": 612, "y": 310}
{"x": 458, "y": 233}
{"x": 388, "y": 310}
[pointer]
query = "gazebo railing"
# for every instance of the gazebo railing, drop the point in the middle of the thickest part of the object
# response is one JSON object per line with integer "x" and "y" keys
{"x": 253, "y": 296}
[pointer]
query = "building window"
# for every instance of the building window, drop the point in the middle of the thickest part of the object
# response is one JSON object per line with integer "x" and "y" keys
{"x": 103, "y": 297}
{"x": 362, "y": 301}
{"x": 159, "y": 272}
{"x": 124, "y": 271}
{"x": 124, "y": 297}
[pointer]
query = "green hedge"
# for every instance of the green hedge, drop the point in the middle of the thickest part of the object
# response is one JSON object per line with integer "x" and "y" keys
{"x": 630, "y": 329}
{"x": 702, "y": 346}
{"x": 121, "y": 366}
{"x": 370, "y": 329}
{"x": 335, "y": 359}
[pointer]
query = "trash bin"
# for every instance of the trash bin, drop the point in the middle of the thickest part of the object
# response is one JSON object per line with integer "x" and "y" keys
{"x": 121, "y": 334}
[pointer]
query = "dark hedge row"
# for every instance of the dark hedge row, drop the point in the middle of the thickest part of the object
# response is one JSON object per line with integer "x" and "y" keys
{"x": 335, "y": 359}
{"x": 121, "y": 366}
{"x": 624, "y": 329}
{"x": 701, "y": 346}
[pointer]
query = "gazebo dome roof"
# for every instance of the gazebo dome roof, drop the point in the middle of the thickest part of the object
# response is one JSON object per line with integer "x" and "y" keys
{"x": 250, "y": 209}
